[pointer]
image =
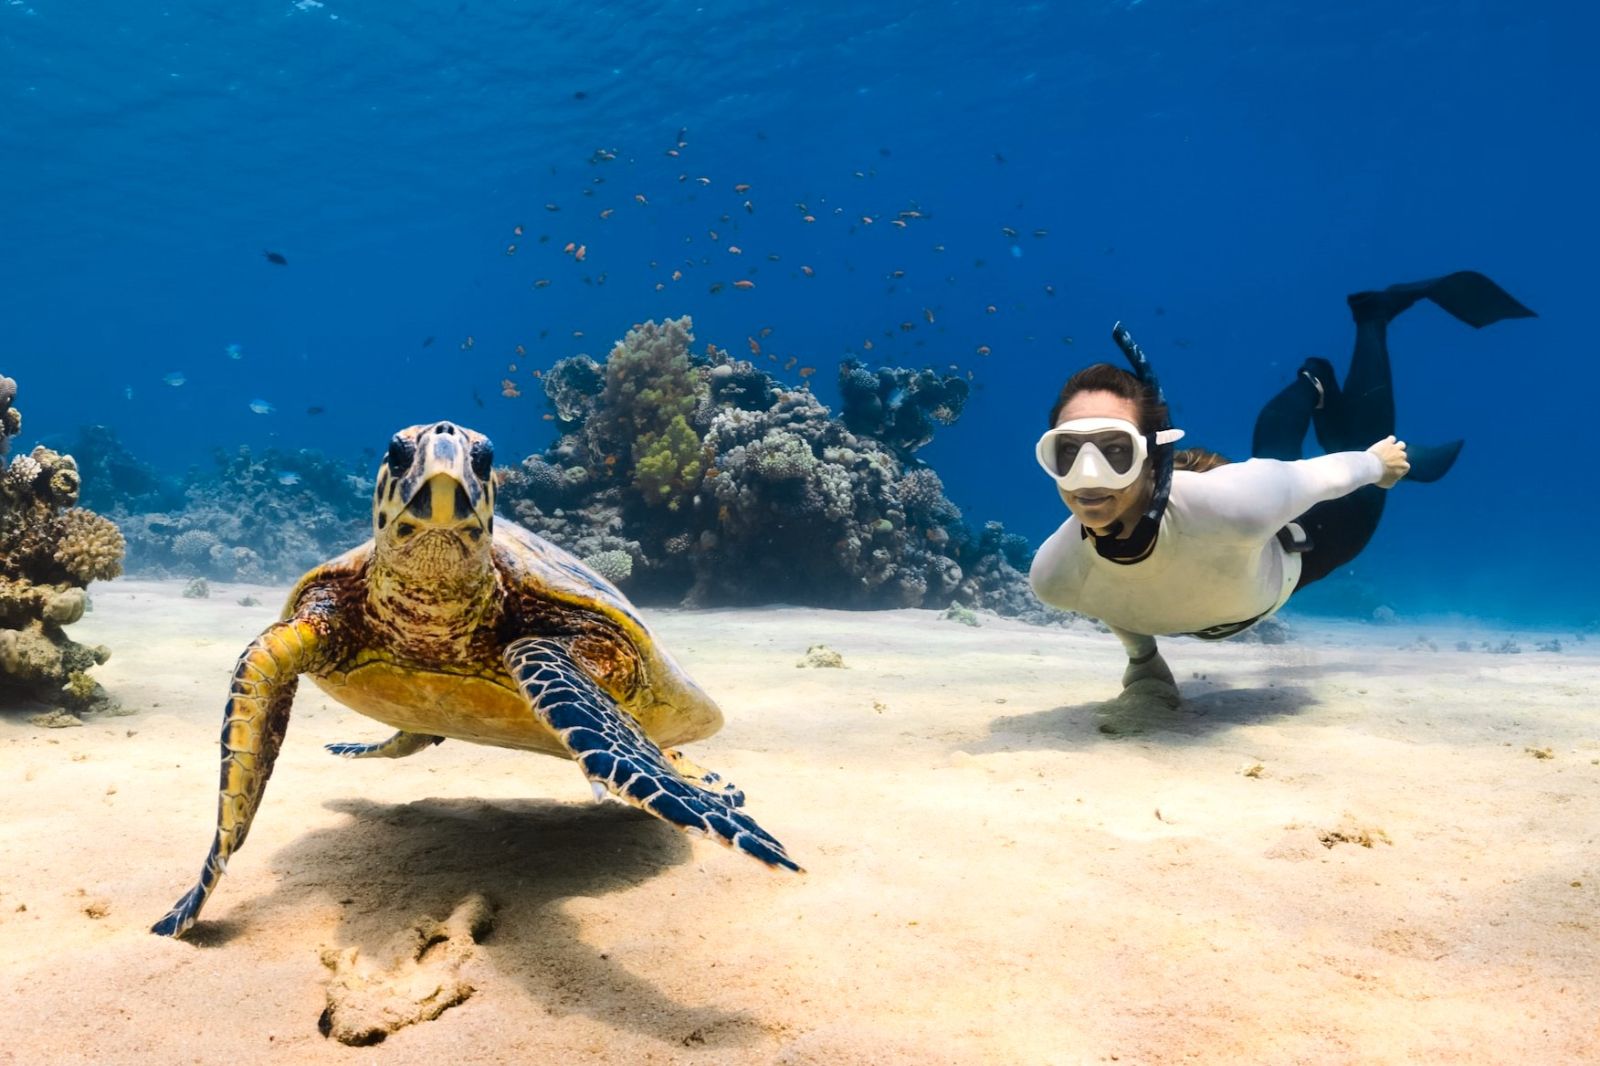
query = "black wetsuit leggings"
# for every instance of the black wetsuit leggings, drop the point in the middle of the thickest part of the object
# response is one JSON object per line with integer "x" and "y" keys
{"x": 1346, "y": 420}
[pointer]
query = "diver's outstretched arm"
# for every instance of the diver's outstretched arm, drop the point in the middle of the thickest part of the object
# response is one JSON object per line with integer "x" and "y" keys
{"x": 1145, "y": 664}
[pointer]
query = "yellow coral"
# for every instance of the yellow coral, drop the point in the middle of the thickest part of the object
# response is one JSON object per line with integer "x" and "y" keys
{"x": 89, "y": 546}
{"x": 669, "y": 465}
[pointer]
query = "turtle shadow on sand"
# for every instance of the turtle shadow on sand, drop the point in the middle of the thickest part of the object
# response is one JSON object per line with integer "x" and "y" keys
{"x": 1204, "y": 710}
{"x": 393, "y": 864}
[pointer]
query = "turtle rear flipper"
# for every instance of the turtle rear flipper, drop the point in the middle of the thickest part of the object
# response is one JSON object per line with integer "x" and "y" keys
{"x": 396, "y": 747}
{"x": 616, "y": 755}
{"x": 253, "y": 725}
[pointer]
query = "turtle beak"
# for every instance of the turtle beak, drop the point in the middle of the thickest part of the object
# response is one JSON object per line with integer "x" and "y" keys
{"x": 441, "y": 501}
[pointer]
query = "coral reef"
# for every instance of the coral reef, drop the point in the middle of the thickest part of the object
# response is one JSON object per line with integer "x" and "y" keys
{"x": 50, "y": 550}
{"x": 252, "y": 518}
{"x": 899, "y": 407}
{"x": 719, "y": 484}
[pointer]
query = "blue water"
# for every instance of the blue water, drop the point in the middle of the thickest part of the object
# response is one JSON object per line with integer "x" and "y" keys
{"x": 1216, "y": 174}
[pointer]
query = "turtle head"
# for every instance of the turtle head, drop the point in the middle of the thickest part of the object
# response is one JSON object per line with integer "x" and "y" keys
{"x": 433, "y": 508}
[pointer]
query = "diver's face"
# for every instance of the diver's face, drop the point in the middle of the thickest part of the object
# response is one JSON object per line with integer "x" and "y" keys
{"x": 1100, "y": 508}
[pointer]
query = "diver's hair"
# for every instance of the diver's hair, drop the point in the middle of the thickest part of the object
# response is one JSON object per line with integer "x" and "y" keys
{"x": 1198, "y": 459}
{"x": 1103, "y": 377}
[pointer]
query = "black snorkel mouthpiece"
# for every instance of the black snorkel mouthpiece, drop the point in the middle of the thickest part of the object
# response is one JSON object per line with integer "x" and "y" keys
{"x": 1160, "y": 454}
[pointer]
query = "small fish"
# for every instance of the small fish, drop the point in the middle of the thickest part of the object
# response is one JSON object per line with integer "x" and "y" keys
{"x": 807, "y": 371}
{"x": 749, "y": 208}
{"x": 467, "y": 344}
{"x": 607, "y": 212}
{"x": 276, "y": 258}
{"x": 571, "y": 247}
{"x": 734, "y": 249}
{"x": 542, "y": 283}
{"x": 175, "y": 379}
{"x": 703, "y": 181}
{"x": 807, "y": 271}
{"x": 677, "y": 275}
{"x": 1041, "y": 233}
{"x": 744, "y": 283}
{"x": 511, "y": 249}
{"x": 660, "y": 285}
{"x": 520, "y": 350}
{"x": 261, "y": 407}
{"x": 990, "y": 309}
{"x": 793, "y": 359}
{"x": 809, "y": 218}
{"x": 288, "y": 478}
{"x": 983, "y": 349}
{"x": 232, "y": 351}
{"x": 639, "y": 196}
{"x": 742, "y": 188}
{"x": 516, "y": 231}
{"x": 1049, "y": 290}
{"x": 766, "y": 331}
{"x": 774, "y": 257}
{"x": 552, "y": 207}
{"x": 907, "y": 327}
{"x": 716, "y": 287}
{"x": 548, "y": 417}
{"x": 900, "y": 222}
{"x": 477, "y": 399}
{"x": 427, "y": 342}
{"x": 927, "y": 313}
{"x": 508, "y": 389}
{"x": 581, "y": 252}
{"x": 867, "y": 345}
{"x": 755, "y": 346}
{"x": 1008, "y": 231}
{"x": 315, "y": 409}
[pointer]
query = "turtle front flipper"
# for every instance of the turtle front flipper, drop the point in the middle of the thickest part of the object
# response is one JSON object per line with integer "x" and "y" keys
{"x": 615, "y": 754}
{"x": 253, "y": 725}
{"x": 396, "y": 747}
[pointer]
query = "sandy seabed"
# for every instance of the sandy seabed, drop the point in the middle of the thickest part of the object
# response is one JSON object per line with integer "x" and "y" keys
{"x": 1342, "y": 850}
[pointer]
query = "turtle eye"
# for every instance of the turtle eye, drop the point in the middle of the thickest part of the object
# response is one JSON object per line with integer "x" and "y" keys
{"x": 482, "y": 458}
{"x": 401, "y": 452}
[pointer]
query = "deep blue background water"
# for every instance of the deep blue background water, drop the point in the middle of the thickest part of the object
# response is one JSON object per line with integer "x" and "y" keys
{"x": 1216, "y": 174}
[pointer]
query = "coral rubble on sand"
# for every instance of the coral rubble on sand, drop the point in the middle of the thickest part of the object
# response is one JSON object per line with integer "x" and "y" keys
{"x": 50, "y": 549}
{"x": 699, "y": 477}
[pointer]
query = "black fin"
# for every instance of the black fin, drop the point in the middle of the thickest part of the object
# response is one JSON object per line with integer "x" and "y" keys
{"x": 1430, "y": 462}
{"x": 1468, "y": 295}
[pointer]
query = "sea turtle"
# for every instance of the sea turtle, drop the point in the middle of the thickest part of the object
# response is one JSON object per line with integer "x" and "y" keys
{"x": 449, "y": 623}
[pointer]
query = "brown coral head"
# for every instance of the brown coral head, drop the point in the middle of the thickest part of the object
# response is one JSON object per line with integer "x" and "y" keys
{"x": 8, "y": 390}
{"x": 90, "y": 546}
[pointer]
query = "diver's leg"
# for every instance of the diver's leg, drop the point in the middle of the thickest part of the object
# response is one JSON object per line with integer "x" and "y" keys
{"x": 1367, "y": 412}
{"x": 1339, "y": 529}
{"x": 1280, "y": 431}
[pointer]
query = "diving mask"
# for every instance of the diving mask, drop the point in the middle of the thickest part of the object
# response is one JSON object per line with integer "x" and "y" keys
{"x": 1100, "y": 453}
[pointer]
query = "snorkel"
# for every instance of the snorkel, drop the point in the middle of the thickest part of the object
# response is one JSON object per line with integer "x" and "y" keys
{"x": 1160, "y": 454}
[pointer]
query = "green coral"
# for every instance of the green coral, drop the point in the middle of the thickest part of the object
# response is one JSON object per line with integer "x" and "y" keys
{"x": 669, "y": 466}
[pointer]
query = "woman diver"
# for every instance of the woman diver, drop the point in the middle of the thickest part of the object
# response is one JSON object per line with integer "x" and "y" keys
{"x": 1164, "y": 542}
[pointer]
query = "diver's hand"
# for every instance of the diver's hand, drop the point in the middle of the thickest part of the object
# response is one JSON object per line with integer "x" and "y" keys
{"x": 1392, "y": 453}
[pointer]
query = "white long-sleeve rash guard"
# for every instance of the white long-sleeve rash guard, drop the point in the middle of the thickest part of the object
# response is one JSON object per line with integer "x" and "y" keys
{"x": 1216, "y": 559}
